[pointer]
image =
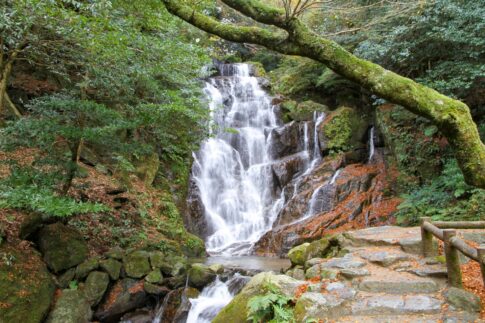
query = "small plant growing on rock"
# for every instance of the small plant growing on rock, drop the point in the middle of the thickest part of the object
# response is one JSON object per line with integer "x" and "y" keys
{"x": 272, "y": 307}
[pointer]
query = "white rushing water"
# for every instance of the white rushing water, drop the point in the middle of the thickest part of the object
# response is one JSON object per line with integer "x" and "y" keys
{"x": 232, "y": 168}
{"x": 213, "y": 298}
{"x": 371, "y": 144}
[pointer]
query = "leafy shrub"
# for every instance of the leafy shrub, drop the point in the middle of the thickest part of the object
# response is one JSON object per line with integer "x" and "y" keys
{"x": 447, "y": 198}
{"x": 272, "y": 307}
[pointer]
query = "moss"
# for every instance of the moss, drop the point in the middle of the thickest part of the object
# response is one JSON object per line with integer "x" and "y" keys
{"x": 63, "y": 247}
{"x": 26, "y": 287}
{"x": 342, "y": 130}
{"x": 136, "y": 264}
{"x": 200, "y": 275}
{"x": 257, "y": 69}
{"x": 299, "y": 254}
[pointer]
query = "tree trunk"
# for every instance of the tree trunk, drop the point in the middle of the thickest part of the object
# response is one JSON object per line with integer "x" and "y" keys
{"x": 452, "y": 117}
{"x": 4, "y": 77}
{"x": 12, "y": 106}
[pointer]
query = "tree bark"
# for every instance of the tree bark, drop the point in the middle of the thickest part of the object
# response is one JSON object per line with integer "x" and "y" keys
{"x": 452, "y": 117}
{"x": 12, "y": 106}
{"x": 75, "y": 149}
{"x": 6, "y": 71}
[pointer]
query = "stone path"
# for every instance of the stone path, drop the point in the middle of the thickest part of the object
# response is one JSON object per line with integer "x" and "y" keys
{"x": 381, "y": 279}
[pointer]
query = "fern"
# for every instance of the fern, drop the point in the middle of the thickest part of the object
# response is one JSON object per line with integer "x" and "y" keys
{"x": 272, "y": 307}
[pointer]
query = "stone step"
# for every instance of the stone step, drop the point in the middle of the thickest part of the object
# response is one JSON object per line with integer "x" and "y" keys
{"x": 385, "y": 236}
{"x": 406, "y": 318}
{"x": 396, "y": 304}
{"x": 398, "y": 284}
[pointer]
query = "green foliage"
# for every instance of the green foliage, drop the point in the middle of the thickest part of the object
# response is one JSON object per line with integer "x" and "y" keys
{"x": 272, "y": 307}
{"x": 446, "y": 198}
{"x": 442, "y": 46}
{"x": 30, "y": 189}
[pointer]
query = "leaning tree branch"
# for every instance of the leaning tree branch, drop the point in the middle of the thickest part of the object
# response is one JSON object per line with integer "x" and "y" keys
{"x": 451, "y": 116}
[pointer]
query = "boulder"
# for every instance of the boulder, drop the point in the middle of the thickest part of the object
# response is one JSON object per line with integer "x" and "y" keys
{"x": 64, "y": 279}
{"x": 463, "y": 300}
{"x": 169, "y": 265}
{"x": 154, "y": 277}
{"x": 177, "y": 305}
{"x": 200, "y": 275}
{"x": 124, "y": 296}
{"x": 217, "y": 268}
{"x": 30, "y": 224}
{"x": 318, "y": 248}
{"x": 112, "y": 267}
{"x": 26, "y": 286}
{"x": 317, "y": 271}
{"x": 287, "y": 140}
{"x": 82, "y": 270}
{"x": 312, "y": 305}
{"x": 137, "y": 264}
{"x": 146, "y": 168}
{"x": 236, "y": 310}
{"x": 285, "y": 169}
{"x": 71, "y": 307}
{"x": 62, "y": 247}
{"x": 342, "y": 130}
{"x": 115, "y": 253}
{"x": 299, "y": 254}
{"x": 95, "y": 287}
{"x": 155, "y": 289}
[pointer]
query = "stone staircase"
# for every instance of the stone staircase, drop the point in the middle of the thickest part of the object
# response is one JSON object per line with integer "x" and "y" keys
{"x": 382, "y": 278}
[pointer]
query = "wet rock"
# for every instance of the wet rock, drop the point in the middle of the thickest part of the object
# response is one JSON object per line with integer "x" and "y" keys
{"x": 71, "y": 307}
{"x": 194, "y": 218}
{"x": 124, "y": 296}
{"x": 285, "y": 169}
{"x": 154, "y": 277}
{"x": 95, "y": 287}
{"x": 200, "y": 275}
{"x": 155, "y": 289}
{"x": 463, "y": 300}
{"x": 26, "y": 286}
{"x": 83, "y": 269}
{"x": 136, "y": 264}
{"x": 236, "y": 310}
{"x": 112, "y": 267}
{"x": 286, "y": 140}
{"x": 313, "y": 305}
{"x": 143, "y": 315}
{"x": 177, "y": 305}
{"x": 298, "y": 255}
{"x": 62, "y": 247}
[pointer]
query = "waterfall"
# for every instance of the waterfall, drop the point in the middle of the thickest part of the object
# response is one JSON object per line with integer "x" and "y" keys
{"x": 232, "y": 169}
{"x": 213, "y": 298}
{"x": 371, "y": 144}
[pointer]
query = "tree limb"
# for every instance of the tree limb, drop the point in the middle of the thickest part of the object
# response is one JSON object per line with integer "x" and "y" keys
{"x": 12, "y": 106}
{"x": 451, "y": 116}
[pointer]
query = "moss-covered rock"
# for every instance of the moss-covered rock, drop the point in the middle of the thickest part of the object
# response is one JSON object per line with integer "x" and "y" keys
{"x": 137, "y": 264}
{"x": 64, "y": 279}
{"x": 299, "y": 254}
{"x": 200, "y": 275}
{"x": 83, "y": 269}
{"x": 217, "y": 268}
{"x": 170, "y": 265}
{"x": 71, "y": 307}
{"x": 463, "y": 300}
{"x": 342, "y": 130}
{"x": 26, "y": 286}
{"x": 303, "y": 111}
{"x": 115, "y": 253}
{"x": 257, "y": 69}
{"x": 318, "y": 248}
{"x": 112, "y": 267}
{"x": 155, "y": 289}
{"x": 146, "y": 168}
{"x": 62, "y": 247}
{"x": 95, "y": 286}
{"x": 236, "y": 310}
{"x": 154, "y": 277}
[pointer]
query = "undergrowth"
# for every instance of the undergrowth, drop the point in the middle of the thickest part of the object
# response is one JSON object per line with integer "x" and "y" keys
{"x": 272, "y": 307}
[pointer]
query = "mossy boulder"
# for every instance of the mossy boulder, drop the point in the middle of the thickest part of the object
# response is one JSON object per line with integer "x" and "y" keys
{"x": 463, "y": 300}
{"x": 64, "y": 279}
{"x": 170, "y": 265}
{"x": 112, "y": 267}
{"x": 71, "y": 307}
{"x": 318, "y": 248}
{"x": 154, "y": 277}
{"x": 83, "y": 269}
{"x": 236, "y": 310}
{"x": 257, "y": 69}
{"x": 299, "y": 254}
{"x": 62, "y": 247}
{"x": 342, "y": 130}
{"x": 200, "y": 275}
{"x": 146, "y": 168}
{"x": 95, "y": 286}
{"x": 217, "y": 268}
{"x": 303, "y": 111}
{"x": 115, "y": 253}
{"x": 137, "y": 264}
{"x": 26, "y": 286}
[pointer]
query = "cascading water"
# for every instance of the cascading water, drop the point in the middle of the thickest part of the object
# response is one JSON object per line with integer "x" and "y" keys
{"x": 371, "y": 144}
{"x": 232, "y": 170}
{"x": 213, "y": 298}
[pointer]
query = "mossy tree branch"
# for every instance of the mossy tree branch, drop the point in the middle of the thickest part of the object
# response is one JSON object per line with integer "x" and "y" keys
{"x": 451, "y": 116}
